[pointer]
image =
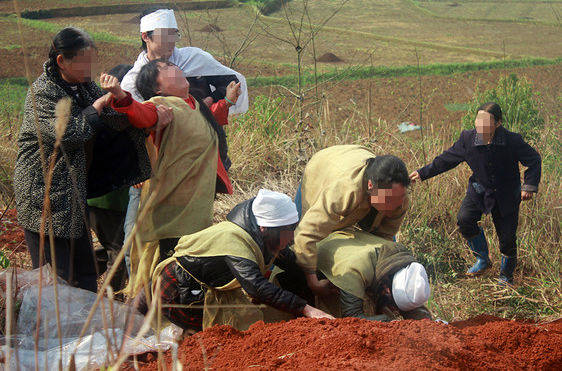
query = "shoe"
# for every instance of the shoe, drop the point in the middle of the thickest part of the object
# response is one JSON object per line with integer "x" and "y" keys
{"x": 479, "y": 247}
{"x": 506, "y": 271}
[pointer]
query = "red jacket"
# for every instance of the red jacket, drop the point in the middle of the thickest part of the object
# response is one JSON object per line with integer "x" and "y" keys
{"x": 144, "y": 115}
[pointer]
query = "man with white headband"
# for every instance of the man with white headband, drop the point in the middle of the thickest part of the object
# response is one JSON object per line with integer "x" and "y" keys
{"x": 365, "y": 267}
{"x": 208, "y": 78}
{"x": 224, "y": 267}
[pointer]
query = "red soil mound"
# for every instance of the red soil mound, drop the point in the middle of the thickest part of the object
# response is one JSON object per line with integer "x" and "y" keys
{"x": 329, "y": 58}
{"x": 11, "y": 235}
{"x": 483, "y": 342}
{"x": 211, "y": 28}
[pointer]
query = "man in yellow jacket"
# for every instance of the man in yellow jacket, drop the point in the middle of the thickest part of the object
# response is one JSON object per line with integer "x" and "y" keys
{"x": 344, "y": 186}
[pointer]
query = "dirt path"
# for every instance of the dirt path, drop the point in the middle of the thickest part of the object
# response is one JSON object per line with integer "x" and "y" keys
{"x": 483, "y": 342}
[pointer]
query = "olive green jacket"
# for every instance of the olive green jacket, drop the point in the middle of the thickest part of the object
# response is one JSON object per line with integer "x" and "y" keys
{"x": 334, "y": 197}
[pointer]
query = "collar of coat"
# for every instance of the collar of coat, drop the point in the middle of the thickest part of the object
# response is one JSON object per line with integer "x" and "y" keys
{"x": 243, "y": 216}
{"x": 498, "y": 139}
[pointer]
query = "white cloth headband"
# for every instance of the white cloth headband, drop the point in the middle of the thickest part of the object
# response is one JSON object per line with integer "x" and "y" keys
{"x": 162, "y": 18}
{"x": 274, "y": 209}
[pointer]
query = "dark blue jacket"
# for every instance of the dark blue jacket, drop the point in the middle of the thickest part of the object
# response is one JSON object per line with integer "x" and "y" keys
{"x": 495, "y": 167}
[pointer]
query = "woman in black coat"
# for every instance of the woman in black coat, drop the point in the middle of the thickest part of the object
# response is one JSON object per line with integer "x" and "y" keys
{"x": 493, "y": 153}
{"x": 68, "y": 73}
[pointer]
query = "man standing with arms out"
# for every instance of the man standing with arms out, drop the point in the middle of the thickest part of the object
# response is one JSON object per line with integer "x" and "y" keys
{"x": 343, "y": 186}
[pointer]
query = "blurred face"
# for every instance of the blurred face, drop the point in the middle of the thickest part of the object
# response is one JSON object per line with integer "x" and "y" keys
{"x": 485, "y": 125}
{"x": 387, "y": 199}
{"x": 80, "y": 68}
{"x": 276, "y": 243}
{"x": 161, "y": 44}
{"x": 171, "y": 82}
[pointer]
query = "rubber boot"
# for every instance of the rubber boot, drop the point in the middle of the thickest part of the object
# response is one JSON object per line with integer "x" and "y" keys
{"x": 479, "y": 247}
{"x": 507, "y": 268}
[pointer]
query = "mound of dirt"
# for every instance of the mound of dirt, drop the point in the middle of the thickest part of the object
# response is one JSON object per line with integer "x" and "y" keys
{"x": 350, "y": 343}
{"x": 329, "y": 58}
{"x": 211, "y": 28}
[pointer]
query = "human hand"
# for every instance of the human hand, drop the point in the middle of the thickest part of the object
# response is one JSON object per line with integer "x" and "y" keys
{"x": 320, "y": 287}
{"x": 415, "y": 176}
{"x": 101, "y": 102}
{"x": 525, "y": 196}
{"x": 138, "y": 185}
{"x": 208, "y": 101}
{"x": 311, "y": 312}
{"x": 111, "y": 84}
{"x": 165, "y": 116}
{"x": 232, "y": 92}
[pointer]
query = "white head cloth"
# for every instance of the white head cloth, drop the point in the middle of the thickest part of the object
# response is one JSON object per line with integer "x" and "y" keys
{"x": 162, "y": 18}
{"x": 274, "y": 209}
{"x": 410, "y": 287}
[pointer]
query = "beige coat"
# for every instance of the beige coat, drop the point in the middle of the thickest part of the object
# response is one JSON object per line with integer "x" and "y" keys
{"x": 180, "y": 195}
{"x": 334, "y": 197}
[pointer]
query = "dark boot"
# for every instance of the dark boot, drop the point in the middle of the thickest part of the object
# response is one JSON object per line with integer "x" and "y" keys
{"x": 507, "y": 268}
{"x": 479, "y": 247}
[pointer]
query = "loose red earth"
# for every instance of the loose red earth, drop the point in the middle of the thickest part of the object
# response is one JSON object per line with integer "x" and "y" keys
{"x": 482, "y": 342}
{"x": 11, "y": 234}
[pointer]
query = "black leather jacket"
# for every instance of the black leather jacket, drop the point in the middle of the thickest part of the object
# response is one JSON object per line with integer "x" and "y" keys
{"x": 218, "y": 270}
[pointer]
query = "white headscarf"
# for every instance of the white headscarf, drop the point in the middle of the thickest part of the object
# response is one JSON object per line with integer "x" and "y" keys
{"x": 410, "y": 287}
{"x": 274, "y": 209}
{"x": 162, "y": 18}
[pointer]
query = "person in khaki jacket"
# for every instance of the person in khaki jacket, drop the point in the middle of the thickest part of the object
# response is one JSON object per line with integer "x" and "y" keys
{"x": 344, "y": 186}
{"x": 376, "y": 279}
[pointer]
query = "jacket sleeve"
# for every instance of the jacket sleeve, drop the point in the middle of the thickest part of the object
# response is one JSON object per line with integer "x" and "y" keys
{"x": 321, "y": 219}
{"x": 530, "y": 158}
{"x": 391, "y": 223}
{"x": 140, "y": 115}
{"x": 111, "y": 118}
{"x": 352, "y": 306}
{"x": 447, "y": 160}
{"x": 79, "y": 129}
{"x": 259, "y": 288}
{"x": 220, "y": 112}
{"x": 220, "y": 82}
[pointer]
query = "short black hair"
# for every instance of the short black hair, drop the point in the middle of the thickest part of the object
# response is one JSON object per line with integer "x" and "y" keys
{"x": 147, "y": 11}
{"x": 147, "y": 80}
{"x": 120, "y": 71}
{"x": 492, "y": 108}
{"x": 385, "y": 170}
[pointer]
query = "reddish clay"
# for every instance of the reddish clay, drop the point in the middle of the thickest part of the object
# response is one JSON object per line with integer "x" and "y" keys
{"x": 483, "y": 342}
{"x": 11, "y": 234}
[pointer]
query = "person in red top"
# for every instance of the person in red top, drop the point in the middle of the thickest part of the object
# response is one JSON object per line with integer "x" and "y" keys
{"x": 163, "y": 78}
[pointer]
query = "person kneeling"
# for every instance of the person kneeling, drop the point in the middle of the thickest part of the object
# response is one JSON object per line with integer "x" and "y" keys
{"x": 223, "y": 268}
{"x": 368, "y": 269}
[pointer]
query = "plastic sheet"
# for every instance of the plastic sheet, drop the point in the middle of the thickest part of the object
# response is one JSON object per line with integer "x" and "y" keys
{"x": 111, "y": 332}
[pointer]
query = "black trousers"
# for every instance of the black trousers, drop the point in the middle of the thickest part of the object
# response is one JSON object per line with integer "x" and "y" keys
{"x": 74, "y": 258}
{"x": 506, "y": 225}
{"x": 108, "y": 227}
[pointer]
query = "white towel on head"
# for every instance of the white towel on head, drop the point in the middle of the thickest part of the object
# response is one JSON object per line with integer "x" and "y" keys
{"x": 410, "y": 287}
{"x": 162, "y": 18}
{"x": 274, "y": 209}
